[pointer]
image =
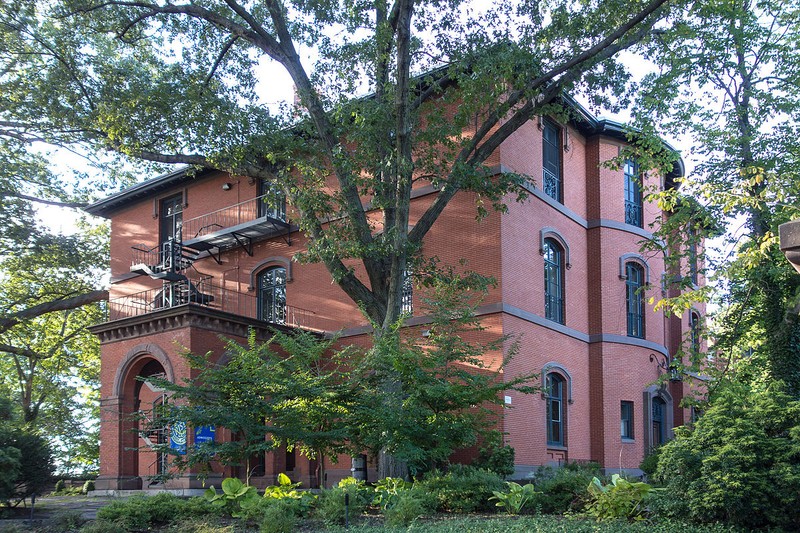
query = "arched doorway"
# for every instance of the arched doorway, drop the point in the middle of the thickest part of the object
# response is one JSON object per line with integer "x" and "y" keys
{"x": 140, "y": 462}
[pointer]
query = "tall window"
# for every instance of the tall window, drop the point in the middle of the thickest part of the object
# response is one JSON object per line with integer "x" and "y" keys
{"x": 555, "y": 409}
{"x": 169, "y": 231}
{"x": 692, "y": 245}
{"x": 271, "y": 203}
{"x": 272, "y": 295}
{"x": 633, "y": 194}
{"x": 626, "y": 420}
{"x": 634, "y": 299}
{"x": 658, "y": 428}
{"x": 553, "y": 281}
{"x": 694, "y": 331}
{"x": 171, "y": 218}
{"x": 407, "y": 294}
{"x": 551, "y": 158}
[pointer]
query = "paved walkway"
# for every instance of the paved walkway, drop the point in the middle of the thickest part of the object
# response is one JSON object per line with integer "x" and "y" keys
{"x": 49, "y": 506}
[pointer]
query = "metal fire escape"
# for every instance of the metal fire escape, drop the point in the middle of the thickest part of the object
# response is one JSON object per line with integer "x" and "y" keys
{"x": 167, "y": 262}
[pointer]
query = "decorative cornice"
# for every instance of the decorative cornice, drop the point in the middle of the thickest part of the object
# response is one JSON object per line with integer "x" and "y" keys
{"x": 183, "y": 316}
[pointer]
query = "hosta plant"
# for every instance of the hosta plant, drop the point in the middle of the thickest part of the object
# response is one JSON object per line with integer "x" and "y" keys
{"x": 515, "y": 499}
{"x": 619, "y": 499}
{"x": 234, "y": 494}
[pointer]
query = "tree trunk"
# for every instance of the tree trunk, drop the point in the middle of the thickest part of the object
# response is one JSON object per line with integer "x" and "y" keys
{"x": 390, "y": 466}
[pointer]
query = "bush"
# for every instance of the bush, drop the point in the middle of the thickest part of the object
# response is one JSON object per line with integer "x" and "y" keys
{"x": 739, "y": 464}
{"x": 650, "y": 463}
{"x": 196, "y": 525}
{"x": 142, "y": 512}
{"x": 66, "y": 521}
{"x": 280, "y": 516}
{"x": 563, "y": 489}
{"x": 88, "y": 486}
{"x": 331, "y": 503}
{"x": 463, "y": 489}
{"x": 409, "y": 506}
{"x": 26, "y": 461}
{"x": 619, "y": 499}
{"x": 496, "y": 458}
{"x": 60, "y": 487}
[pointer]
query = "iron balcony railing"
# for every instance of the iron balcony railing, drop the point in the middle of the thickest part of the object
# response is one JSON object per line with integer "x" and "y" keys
{"x": 551, "y": 184}
{"x": 233, "y": 215}
{"x": 205, "y": 293}
{"x": 633, "y": 213}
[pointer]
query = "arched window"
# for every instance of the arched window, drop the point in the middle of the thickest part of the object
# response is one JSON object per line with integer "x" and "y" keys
{"x": 272, "y": 295}
{"x": 634, "y": 299}
{"x": 554, "y": 394}
{"x": 633, "y": 194}
{"x": 658, "y": 434}
{"x": 553, "y": 281}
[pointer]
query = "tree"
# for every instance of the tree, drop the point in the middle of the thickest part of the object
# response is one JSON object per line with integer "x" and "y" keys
{"x": 728, "y": 76}
{"x": 447, "y": 384}
{"x": 300, "y": 391}
{"x": 739, "y": 464}
{"x": 290, "y": 391}
{"x": 25, "y": 458}
{"x": 50, "y": 362}
{"x": 505, "y": 83}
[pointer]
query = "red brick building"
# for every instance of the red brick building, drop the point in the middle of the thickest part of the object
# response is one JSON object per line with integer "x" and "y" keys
{"x": 199, "y": 255}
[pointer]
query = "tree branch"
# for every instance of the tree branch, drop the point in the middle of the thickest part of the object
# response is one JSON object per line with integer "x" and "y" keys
{"x": 62, "y": 304}
{"x": 219, "y": 59}
{"x": 12, "y": 194}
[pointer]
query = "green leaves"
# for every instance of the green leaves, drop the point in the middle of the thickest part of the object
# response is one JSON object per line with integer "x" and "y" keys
{"x": 619, "y": 499}
{"x": 739, "y": 461}
{"x": 515, "y": 499}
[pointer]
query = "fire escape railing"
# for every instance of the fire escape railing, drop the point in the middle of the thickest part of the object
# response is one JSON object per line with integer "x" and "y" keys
{"x": 205, "y": 293}
{"x": 230, "y": 216}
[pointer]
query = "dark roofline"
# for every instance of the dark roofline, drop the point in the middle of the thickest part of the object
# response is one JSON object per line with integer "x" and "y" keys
{"x": 584, "y": 121}
{"x": 145, "y": 189}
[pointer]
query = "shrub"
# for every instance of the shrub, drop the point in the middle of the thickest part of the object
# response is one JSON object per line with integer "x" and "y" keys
{"x": 142, "y": 512}
{"x": 100, "y": 526}
{"x": 497, "y": 459}
{"x": 463, "y": 489}
{"x": 739, "y": 464}
{"x": 389, "y": 490}
{"x": 650, "y": 463}
{"x": 60, "y": 487}
{"x": 563, "y": 489}
{"x": 196, "y": 525}
{"x": 280, "y": 516}
{"x": 619, "y": 499}
{"x": 27, "y": 463}
{"x": 331, "y": 503}
{"x": 66, "y": 521}
{"x": 88, "y": 486}
{"x": 409, "y": 506}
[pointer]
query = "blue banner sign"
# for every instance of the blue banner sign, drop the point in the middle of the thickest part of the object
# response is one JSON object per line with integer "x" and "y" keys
{"x": 203, "y": 434}
{"x": 177, "y": 438}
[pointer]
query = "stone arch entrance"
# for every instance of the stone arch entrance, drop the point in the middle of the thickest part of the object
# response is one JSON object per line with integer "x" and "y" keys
{"x": 136, "y": 400}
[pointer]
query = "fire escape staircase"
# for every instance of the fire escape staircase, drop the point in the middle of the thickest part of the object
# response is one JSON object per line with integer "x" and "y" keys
{"x": 168, "y": 262}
